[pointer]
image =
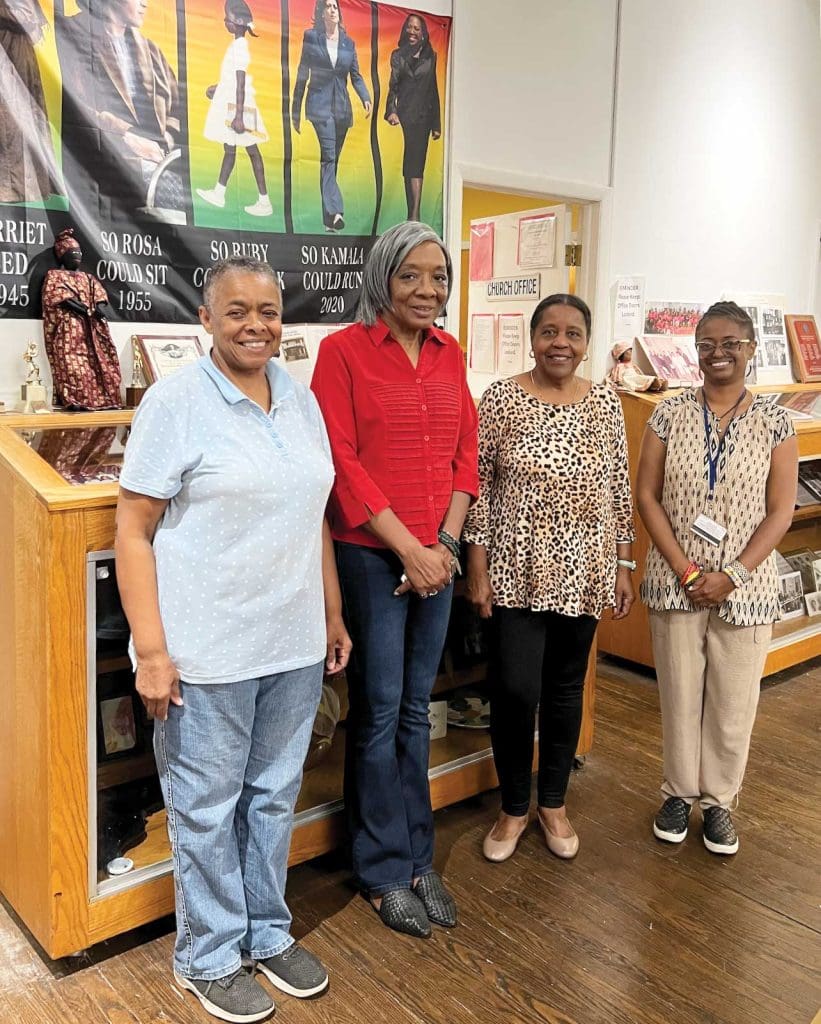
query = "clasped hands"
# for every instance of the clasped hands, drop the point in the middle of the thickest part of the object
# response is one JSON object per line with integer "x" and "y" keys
{"x": 427, "y": 571}
{"x": 710, "y": 589}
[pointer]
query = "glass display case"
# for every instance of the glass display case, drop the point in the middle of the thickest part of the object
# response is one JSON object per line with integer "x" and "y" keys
{"x": 128, "y": 841}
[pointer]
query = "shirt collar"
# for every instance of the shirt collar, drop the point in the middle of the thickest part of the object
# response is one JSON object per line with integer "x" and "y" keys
{"x": 282, "y": 387}
{"x": 380, "y": 332}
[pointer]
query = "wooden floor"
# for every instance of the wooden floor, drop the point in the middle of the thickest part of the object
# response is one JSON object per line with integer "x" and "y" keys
{"x": 632, "y": 932}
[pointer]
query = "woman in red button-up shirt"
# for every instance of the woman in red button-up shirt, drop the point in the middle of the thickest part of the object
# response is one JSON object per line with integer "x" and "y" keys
{"x": 403, "y": 432}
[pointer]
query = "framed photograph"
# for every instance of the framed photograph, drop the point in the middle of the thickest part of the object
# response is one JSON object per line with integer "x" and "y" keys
{"x": 802, "y": 332}
{"x": 119, "y": 727}
{"x": 164, "y": 354}
{"x": 813, "y": 603}
{"x": 671, "y": 357}
{"x": 790, "y": 595}
{"x": 672, "y": 317}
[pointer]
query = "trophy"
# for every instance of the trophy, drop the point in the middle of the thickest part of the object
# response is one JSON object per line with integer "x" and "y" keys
{"x": 33, "y": 393}
{"x": 135, "y": 391}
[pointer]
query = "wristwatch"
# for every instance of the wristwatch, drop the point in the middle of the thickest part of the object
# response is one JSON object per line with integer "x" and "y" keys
{"x": 627, "y": 563}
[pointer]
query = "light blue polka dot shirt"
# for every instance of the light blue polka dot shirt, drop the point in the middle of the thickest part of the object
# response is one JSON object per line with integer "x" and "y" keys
{"x": 239, "y": 546}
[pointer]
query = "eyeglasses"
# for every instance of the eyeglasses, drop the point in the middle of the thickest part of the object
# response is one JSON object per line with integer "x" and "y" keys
{"x": 706, "y": 348}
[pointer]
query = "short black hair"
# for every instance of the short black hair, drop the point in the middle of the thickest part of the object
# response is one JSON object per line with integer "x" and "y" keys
{"x": 562, "y": 299}
{"x": 730, "y": 311}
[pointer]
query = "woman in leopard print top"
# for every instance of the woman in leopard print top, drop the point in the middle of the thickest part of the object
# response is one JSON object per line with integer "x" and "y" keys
{"x": 553, "y": 517}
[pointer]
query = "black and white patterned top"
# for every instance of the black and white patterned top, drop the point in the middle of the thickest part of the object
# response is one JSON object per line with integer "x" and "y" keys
{"x": 739, "y": 502}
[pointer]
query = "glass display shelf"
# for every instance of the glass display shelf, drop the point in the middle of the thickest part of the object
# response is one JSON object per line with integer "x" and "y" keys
{"x": 82, "y": 454}
{"x": 128, "y": 842}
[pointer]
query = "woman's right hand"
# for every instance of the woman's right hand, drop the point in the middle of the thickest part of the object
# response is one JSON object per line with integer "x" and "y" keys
{"x": 392, "y": 119}
{"x": 158, "y": 684}
{"x": 209, "y": 92}
{"x": 480, "y": 592}
{"x": 426, "y": 571}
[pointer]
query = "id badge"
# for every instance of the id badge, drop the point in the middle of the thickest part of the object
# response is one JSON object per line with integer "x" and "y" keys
{"x": 708, "y": 529}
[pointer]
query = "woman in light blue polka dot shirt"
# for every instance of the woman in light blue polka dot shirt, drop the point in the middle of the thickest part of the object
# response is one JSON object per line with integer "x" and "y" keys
{"x": 228, "y": 579}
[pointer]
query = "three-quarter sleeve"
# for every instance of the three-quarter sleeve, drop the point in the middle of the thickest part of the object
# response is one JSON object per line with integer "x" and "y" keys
{"x": 477, "y": 523}
{"x": 465, "y": 459}
{"x": 357, "y": 496}
{"x": 620, "y": 477}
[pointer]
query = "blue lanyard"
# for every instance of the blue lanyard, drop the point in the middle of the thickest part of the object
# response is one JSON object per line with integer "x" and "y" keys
{"x": 712, "y": 461}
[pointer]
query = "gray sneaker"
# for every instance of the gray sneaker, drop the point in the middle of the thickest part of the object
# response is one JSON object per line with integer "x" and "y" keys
{"x": 237, "y": 997}
{"x": 296, "y": 971}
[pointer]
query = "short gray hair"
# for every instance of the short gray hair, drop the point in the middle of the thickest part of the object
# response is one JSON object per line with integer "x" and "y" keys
{"x": 235, "y": 265}
{"x": 388, "y": 254}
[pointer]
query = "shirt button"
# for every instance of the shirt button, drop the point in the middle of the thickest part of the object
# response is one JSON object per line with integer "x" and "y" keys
{"x": 428, "y": 468}
{"x": 418, "y": 380}
{"x": 424, "y": 408}
{"x": 430, "y": 497}
{"x": 427, "y": 438}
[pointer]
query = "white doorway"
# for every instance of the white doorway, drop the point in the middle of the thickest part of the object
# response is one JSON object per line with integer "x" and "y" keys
{"x": 481, "y": 192}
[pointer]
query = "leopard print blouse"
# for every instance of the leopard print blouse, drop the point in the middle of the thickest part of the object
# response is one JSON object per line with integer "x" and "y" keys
{"x": 554, "y": 498}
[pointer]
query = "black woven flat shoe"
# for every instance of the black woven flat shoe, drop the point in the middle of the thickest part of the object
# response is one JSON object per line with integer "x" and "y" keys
{"x": 437, "y": 901}
{"x": 404, "y": 912}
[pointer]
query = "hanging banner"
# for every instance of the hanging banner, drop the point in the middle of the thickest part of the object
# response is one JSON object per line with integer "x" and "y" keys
{"x": 171, "y": 135}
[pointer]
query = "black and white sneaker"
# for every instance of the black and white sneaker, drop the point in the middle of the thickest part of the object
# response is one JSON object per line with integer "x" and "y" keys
{"x": 720, "y": 835}
{"x": 670, "y": 824}
{"x": 236, "y": 998}
{"x": 296, "y": 971}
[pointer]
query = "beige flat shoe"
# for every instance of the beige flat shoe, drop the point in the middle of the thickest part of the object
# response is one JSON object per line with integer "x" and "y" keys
{"x": 498, "y": 850}
{"x": 565, "y": 847}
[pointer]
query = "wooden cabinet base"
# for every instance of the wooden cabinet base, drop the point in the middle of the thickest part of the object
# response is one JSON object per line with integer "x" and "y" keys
{"x": 48, "y": 771}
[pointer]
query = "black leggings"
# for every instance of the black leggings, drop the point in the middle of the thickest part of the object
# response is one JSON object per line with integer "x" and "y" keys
{"x": 540, "y": 659}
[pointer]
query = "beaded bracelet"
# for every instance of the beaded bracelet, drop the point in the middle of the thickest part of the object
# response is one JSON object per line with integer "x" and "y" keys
{"x": 450, "y": 542}
{"x": 738, "y": 573}
{"x": 690, "y": 574}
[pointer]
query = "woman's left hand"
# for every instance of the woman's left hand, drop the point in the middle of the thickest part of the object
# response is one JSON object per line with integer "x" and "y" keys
{"x": 338, "y": 647}
{"x": 624, "y": 593}
{"x": 393, "y": 119}
{"x": 435, "y": 135}
{"x": 710, "y": 589}
{"x": 238, "y": 124}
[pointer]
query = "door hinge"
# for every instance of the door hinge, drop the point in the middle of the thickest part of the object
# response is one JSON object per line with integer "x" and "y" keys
{"x": 573, "y": 255}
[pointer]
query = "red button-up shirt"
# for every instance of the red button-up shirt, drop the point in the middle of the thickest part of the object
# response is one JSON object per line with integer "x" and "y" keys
{"x": 403, "y": 437}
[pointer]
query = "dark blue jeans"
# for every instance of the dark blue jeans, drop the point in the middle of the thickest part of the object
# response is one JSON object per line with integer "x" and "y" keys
{"x": 398, "y": 642}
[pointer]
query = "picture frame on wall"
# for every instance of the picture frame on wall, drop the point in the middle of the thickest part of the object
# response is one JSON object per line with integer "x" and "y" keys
{"x": 164, "y": 354}
{"x": 805, "y": 346}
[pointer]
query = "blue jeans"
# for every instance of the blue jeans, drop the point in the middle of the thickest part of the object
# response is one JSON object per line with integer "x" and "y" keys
{"x": 331, "y": 135}
{"x": 230, "y": 763}
{"x": 398, "y": 642}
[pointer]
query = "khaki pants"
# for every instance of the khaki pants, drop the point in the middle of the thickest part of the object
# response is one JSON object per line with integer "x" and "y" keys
{"x": 709, "y": 676}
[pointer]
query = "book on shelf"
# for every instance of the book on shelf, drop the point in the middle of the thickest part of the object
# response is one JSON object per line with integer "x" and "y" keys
{"x": 806, "y": 348}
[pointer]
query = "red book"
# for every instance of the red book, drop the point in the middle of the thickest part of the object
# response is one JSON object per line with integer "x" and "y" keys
{"x": 806, "y": 348}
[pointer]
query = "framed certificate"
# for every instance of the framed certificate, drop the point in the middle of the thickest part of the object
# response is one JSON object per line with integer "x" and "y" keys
{"x": 164, "y": 354}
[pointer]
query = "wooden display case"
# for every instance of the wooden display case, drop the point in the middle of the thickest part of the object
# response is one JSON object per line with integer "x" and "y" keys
{"x": 794, "y": 640}
{"x": 56, "y": 536}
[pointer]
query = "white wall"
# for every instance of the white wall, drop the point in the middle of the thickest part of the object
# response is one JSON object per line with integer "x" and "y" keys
{"x": 718, "y": 147}
{"x": 717, "y": 160}
{"x": 532, "y": 86}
